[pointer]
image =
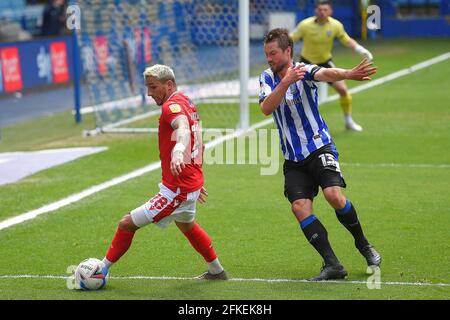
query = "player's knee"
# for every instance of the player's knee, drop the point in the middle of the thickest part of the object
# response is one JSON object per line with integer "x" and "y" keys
{"x": 341, "y": 88}
{"x": 127, "y": 224}
{"x": 301, "y": 208}
{"x": 185, "y": 227}
{"x": 343, "y": 92}
{"x": 334, "y": 197}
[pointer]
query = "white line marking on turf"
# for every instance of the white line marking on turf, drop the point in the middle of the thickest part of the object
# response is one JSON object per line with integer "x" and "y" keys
{"x": 52, "y": 151}
{"x": 397, "y": 165}
{"x": 401, "y": 73}
{"x": 154, "y": 166}
{"x": 393, "y": 76}
{"x": 77, "y": 197}
{"x": 97, "y": 188}
{"x": 5, "y": 160}
{"x": 423, "y": 284}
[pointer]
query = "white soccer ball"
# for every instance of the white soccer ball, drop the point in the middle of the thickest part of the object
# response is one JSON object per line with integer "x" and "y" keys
{"x": 89, "y": 275}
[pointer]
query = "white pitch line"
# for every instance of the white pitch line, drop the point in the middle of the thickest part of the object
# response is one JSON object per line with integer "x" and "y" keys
{"x": 392, "y": 76}
{"x": 5, "y": 160}
{"x": 163, "y": 278}
{"x": 97, "y": 188}
{"x": 401, "y": 73}
{"x": 77, "y": 197}
{"x": 397, "y": 165}
{"x": 154, "y": 166}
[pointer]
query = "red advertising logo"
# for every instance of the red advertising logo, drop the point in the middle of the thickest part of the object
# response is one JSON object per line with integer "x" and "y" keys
{"x": 12, "y": 76}
{"x": 58, "y": 53}
{"x": 147, "y": 43}
{"x": 101, "y": 54}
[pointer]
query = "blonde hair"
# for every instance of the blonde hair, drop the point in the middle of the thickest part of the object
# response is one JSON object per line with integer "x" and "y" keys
{"x": 160, "y": 72}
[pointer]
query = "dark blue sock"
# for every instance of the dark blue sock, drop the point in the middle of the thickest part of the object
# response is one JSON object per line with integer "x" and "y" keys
{"x": 317, "y": 236}
{"x": 349, "y": 219}
{"x": 307, "y": 221}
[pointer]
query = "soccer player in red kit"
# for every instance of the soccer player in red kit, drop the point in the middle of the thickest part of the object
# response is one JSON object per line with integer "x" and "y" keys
{"x": 181, "y": 152}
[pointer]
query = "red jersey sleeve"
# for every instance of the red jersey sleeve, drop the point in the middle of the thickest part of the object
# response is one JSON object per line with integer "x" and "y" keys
{"x": 170, "y": 111}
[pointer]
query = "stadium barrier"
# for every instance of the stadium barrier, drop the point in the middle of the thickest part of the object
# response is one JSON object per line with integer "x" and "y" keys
{"x": 29, "y": 64}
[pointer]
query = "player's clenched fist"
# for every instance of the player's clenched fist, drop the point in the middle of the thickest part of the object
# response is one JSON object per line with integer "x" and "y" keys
{"x": 295, "y": 74}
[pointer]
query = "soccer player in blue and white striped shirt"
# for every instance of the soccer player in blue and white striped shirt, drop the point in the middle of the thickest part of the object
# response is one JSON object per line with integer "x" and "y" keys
{"x": 289, "y": 93}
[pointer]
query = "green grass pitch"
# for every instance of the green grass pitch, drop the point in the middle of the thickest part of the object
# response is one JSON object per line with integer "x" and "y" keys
{"x": 404, "y": 208}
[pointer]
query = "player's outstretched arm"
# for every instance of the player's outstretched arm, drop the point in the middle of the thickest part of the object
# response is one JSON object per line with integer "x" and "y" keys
{"x": 183, "y": 138}
{"x": 296, "y": 34}
{"x": 361, "y": 72}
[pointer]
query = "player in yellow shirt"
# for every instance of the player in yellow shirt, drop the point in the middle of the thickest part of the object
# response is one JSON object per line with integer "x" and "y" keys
{"x": 318, "y": 33}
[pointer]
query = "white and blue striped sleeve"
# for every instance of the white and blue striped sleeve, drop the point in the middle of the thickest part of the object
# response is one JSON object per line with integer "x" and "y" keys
{"x": 265, "y": 84}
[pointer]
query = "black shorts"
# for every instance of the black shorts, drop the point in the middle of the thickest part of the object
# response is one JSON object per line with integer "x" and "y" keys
{"x": 327, "y": 64}
{"x": 321, "y": 168}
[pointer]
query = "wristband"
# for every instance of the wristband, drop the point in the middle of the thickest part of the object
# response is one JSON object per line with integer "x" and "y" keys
{"x": 364, "y": 52}
{"x": 179, "y": 147}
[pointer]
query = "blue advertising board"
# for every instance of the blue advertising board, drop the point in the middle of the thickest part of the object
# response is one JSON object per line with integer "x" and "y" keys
{"x": 38, "y": 63}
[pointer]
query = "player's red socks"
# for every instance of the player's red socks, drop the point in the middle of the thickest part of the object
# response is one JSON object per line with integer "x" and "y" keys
{"x": 198, "y": 238}
{"x": 201, "y": 242}
{"x": 120, "y": 244}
